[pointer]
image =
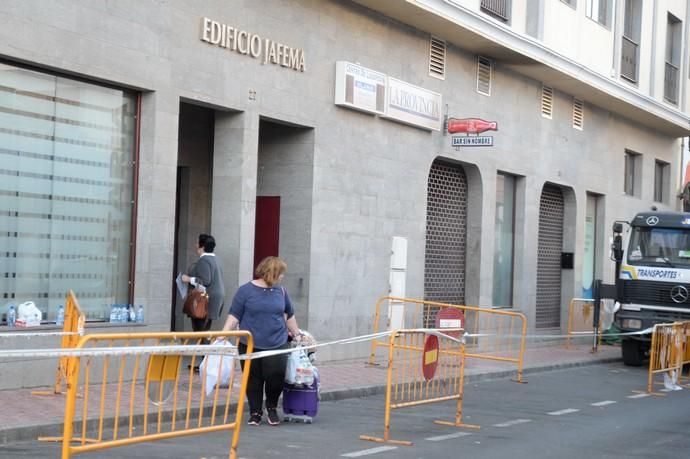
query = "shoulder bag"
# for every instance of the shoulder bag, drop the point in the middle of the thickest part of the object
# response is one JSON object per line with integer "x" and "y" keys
{"x": 196, "y": 304}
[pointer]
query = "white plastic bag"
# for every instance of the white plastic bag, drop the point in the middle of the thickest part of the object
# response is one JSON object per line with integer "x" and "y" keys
{"x": 28, "y": 315}
{"x": 218, "y": 368}
{"x": 299, "y": 369}
{"x": 291, "y": 369}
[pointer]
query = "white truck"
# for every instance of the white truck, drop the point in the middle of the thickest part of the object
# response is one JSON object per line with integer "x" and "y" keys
{"x": 652, "y": 276}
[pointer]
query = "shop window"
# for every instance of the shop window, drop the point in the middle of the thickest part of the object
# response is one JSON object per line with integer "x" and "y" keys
{"x": 504, "y": 240}
{"x": 66, "y": 194}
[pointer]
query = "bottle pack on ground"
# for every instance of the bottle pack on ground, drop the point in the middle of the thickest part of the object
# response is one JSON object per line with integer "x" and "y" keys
{"x": 11, "y": 316}
{"x": 60, "y": 316}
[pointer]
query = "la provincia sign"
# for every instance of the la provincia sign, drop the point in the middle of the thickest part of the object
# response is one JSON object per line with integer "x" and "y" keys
{"x": 366, "y": 90}
{"x": 251, "y": 44}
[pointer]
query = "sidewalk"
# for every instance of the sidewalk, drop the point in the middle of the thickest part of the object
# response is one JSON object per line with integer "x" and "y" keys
{"x": 26, "y": 417}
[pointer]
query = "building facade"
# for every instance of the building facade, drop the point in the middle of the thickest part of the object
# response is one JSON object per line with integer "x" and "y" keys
{"x": 488, "y": 145}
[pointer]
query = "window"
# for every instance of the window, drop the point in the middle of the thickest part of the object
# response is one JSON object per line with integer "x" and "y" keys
{"x": 504, "y": 238}
{"x": 672, "y": 67}
{"x": 661, "y": 178}
{"x": 600, "y": 11}
{"x": 572, "y": 3}
{"x": 497, "y": 8}
{"x": 632, "y": 174}
{"x": 630, "y": 44}
{"x": 68, "y": 150}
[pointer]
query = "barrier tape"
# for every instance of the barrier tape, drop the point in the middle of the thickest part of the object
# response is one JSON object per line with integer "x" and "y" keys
{"x": 226, "y": 350}
{"x": 35, "y": 334}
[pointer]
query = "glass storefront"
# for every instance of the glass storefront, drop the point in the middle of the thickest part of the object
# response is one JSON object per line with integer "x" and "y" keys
{"x": 66, "y": 191}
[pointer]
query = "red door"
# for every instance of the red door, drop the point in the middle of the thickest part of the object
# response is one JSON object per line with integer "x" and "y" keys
{"x": 267, "y": 228}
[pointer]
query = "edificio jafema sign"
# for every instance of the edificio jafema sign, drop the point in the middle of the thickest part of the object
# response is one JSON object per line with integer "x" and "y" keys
{"x": 250, "y": 44}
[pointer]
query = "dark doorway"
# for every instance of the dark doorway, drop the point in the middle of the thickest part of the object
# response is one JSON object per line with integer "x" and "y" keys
{"x": 193, "y": 200}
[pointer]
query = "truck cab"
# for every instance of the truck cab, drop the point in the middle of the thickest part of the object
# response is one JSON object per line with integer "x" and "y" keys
{"x": 653, "y": 277}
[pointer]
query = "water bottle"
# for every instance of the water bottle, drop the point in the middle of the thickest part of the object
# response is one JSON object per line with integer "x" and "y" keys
{"x": 11, "y": 316}
{"x": 121, "y": 314}
{"x": 60, "y": 316}
{"x": 131, "y": 315}
{"x": 140, "y": 315}
{"x": 113, "y": 313}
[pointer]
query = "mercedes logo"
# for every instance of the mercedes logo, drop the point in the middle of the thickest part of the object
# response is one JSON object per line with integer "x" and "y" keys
{"x": 679, "y": 294}
{"x": 651, "y": 221}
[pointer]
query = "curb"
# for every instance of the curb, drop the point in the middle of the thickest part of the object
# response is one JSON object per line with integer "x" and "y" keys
{"x": 29, "y": 433}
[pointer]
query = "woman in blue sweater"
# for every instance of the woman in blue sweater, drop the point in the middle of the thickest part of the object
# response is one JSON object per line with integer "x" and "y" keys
{"x": 263, "y": 308}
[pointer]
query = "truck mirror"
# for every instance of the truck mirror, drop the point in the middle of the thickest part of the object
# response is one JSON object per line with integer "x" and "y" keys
{"x": 617, "y": 227}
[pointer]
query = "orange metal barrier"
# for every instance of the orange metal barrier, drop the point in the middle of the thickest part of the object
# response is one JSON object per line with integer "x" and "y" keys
{"x": 74, "y": 324}
{"x": 135, "y": 390}
{"x": 685, "y": 353}
{"x": 505, "y": 330}
{"x": 422, "y": 369}
{"x": 666, "y": 351}
{"x": 581, "y": 318}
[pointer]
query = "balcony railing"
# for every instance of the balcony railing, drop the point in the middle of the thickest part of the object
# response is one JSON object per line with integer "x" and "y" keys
{"x": 671, "y": 83}
{"x": 497, "y": 8}
{"x": 629, "y": 59}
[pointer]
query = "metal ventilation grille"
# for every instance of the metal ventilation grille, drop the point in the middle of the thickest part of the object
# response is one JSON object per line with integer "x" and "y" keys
{"x": 437, "y": 58}
{"x": 548, "y": 307}
{"x": 483, "y": 75}
{"x": 446, "y": 234}
{"x": 578, "y": 114}
{"x": 498, "y": 8}
{"x": 547, "y": 101}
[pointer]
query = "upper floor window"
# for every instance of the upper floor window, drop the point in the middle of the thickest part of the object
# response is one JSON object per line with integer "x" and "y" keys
{"x": 661, "y": 179}
{"x": 498, "y": 8}
{"x": 632, "y": 173}
{"x": 630, "y": 45}
{"x": 600, "y": 11}
{"x": 672, "y": 66}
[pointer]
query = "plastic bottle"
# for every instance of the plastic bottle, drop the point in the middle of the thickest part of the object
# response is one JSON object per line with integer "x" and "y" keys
{"x": 131, "y": 314}
{"x": 140, "y": 315}
{"x": 121, "y": 314}
{"x": 60, "y": 316}
{"x": 11, "y": 316}
{"x": 113, "y": 313}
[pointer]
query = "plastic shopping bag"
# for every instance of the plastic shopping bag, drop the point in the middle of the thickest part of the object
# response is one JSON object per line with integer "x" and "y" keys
{"x": 304, "y": 372}
{"x": 299, "y": 370}
{"x": 291, "y": 369}
{"x": 217, "y": 368}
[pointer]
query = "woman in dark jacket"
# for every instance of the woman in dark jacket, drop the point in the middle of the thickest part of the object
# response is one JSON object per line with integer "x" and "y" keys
{"x": 206, "y": 271}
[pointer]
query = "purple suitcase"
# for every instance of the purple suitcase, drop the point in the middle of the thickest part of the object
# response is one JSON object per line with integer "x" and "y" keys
{"x": 301, "y": 403}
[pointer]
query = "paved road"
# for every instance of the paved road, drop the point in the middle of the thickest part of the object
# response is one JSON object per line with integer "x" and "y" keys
{"x": 587, "y": 412}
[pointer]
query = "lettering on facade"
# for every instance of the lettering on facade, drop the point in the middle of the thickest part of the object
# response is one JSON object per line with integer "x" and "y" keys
{"x": 250, "y": 44}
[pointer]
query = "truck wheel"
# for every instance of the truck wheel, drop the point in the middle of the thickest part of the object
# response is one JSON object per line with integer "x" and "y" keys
{"x": 633, "y": 354}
